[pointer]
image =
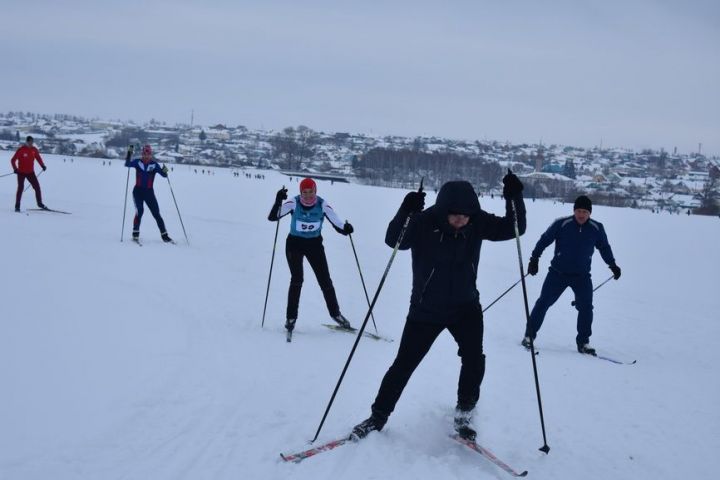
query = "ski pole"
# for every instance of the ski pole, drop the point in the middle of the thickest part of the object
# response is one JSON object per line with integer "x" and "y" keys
{"x": 7, "y": 174}
{"x": 127, "y": 183}
{"x": 503, "y": 294}
{"x": 603, "y": 283}
{"x": 131, "y": 148}
{"x": 178, "y": 210}
{"x": 30, "y": 184}
{"x": 272, "y": 260}
{"x": 367, "y": 317}
{"x": 362, "y": 280}
{"x": 545, "y": 448}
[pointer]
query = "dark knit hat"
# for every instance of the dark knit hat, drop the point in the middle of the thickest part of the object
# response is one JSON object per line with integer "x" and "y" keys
{"x": 583, "y": 202}
{"x": 29, "y": 139}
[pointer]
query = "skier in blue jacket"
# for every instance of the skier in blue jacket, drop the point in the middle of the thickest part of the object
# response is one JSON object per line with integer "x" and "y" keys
{"x": 145, "y": 170}
{"x": 576, "y": 237}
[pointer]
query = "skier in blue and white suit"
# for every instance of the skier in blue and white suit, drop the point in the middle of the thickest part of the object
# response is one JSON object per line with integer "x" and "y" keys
{"x": 308, "y": 211}
{"x": 145, "y": 170}
{"x": 576, "y": 238}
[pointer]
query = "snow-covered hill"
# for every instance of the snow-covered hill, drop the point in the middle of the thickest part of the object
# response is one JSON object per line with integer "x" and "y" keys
{"x": 127, "y": 362}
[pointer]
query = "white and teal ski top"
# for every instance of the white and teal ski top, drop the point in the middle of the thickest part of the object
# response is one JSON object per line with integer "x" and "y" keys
{"x": 307, "y": 222}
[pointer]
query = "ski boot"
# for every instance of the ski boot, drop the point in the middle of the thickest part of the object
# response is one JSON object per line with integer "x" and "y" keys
{"x": 376, "y": 421}
{"x": 166, "y": 238}
{"x": 290, "y": 324}
{"x": 463, "y": 418}
{"x": 342, "y": 321}
{"x": 586, "y": 348}
{"x": 526, "y": 342}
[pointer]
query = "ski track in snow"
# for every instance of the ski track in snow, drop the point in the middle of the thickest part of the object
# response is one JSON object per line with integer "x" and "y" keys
{"x": 119, "y": 362}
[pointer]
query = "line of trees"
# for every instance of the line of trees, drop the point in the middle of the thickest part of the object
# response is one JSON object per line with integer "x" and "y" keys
{"x": 709, "y": 197}
{"x": 382, "y": 166}
{"x": 294, "y": 146}
{"x": 126, "y": 136}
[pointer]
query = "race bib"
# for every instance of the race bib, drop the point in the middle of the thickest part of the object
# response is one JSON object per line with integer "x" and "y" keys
{"x": 307, "y": 227}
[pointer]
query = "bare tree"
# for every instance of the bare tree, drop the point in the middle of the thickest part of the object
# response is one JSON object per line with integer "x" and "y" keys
{"x": 709, "y": 195}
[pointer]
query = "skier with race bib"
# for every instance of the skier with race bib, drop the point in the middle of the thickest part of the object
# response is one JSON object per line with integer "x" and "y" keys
{"x": 308, "y": 212}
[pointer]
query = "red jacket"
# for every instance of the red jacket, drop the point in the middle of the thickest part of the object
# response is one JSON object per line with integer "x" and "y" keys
{"x": 25, "y": 156}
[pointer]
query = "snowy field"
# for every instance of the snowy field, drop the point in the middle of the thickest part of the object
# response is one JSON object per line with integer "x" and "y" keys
{"x": 127, "y": 362}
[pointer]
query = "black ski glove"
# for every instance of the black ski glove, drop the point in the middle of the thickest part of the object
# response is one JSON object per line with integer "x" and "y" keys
{"x": 413, "y": 202}
{"x": 346, "y": 229}
{"x": 533, "y": 266}
{"x": 15, "y": 171}
{"x": 281, "y": 195}
{"x": 512, "y": 186}
{"x": 130, "y": 150}
{"x": 44, "y": 168}
{"x": 615, "y": 270}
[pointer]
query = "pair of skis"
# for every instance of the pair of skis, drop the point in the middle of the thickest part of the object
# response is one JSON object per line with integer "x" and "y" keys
{"x": 338, "y": 328}
{"x": 471, "y": 444}
{"x": 614, "y": 360}
{"x": 52, "y": 210}
{"x": 599, "y": 357}
{"x": 140, "y": 244}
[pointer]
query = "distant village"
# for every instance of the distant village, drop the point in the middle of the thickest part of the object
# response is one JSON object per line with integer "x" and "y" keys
{"x": 681, "y": 183}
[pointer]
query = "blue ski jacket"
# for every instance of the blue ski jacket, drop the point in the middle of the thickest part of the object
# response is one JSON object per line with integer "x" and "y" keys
{"x": 145, "y": 172}
{"x": 574, "y": 245}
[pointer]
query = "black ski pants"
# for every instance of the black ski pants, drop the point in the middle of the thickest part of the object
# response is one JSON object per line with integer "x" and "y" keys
{"x": 147, "y": 196}
{"x": 417, "y": 338}
{"x": 296, "y": 249}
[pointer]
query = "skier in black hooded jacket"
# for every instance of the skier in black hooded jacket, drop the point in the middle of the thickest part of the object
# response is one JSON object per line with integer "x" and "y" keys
{"x": 445, "y": 242}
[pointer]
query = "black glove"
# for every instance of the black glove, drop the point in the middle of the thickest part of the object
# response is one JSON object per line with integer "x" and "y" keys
{"x": 533, "y": 266}
{"x": 130, "y": 150}
{"x": 413, "y": 202}
{"x": 347, "y": 229}
{"x": 512, "y": 186}
{"x": 15, "y": 171}
{"x": 44, "y": 168}
{"x": 281, "y": 195}
{"x": 616, "y": 271}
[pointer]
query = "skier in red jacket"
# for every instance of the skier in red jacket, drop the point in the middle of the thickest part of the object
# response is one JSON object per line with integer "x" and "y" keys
{"x": 23, "y": 166}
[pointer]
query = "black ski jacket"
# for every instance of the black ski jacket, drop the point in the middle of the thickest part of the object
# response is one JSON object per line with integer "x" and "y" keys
{"x": 445, "y": 260}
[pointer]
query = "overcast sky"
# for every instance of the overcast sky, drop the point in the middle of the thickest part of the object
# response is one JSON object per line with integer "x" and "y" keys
{"x": 625, "y": 73}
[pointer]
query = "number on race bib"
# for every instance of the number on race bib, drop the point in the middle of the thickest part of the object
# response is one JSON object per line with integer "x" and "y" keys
{"x": 307, "y": 226}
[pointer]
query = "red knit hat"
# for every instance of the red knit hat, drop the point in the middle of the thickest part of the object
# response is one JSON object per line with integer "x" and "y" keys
{"x": 307, "y": 183}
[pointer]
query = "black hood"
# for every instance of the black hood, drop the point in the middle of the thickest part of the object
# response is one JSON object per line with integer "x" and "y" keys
{"x": 457, "y": 196}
